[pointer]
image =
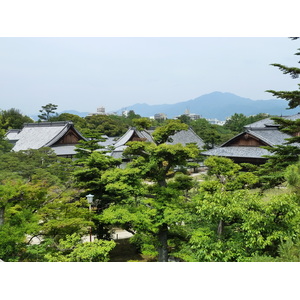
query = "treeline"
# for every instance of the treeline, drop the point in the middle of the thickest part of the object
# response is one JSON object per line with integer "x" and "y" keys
{"x": 115, "y": 126}
{"x": 45, "y": 216}
{"x": 226, "y": 216}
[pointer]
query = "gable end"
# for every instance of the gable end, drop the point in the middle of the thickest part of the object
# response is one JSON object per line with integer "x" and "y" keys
{"x": 70, "y": 137}
{"x": 246, "y": 139}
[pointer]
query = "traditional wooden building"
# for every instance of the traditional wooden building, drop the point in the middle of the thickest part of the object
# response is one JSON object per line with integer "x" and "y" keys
{"x": 183, "y": 137}
{"x": 62, "y": 137}
{"x": 246, "y": 146}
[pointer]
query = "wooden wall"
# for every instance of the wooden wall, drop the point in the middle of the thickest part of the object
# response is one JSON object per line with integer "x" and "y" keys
{"x": 71, "y": 137}
{"x": 246, "y": 140}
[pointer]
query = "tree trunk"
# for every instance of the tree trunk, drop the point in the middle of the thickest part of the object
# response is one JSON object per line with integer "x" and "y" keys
{"x": 1, "y": 216}
{"x": 163, "y": 243}
{"x": 220, "y": 228}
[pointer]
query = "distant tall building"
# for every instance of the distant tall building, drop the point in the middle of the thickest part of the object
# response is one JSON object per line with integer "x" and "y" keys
{"x": 160, "y": 116}
{"x": 194, "y": 116}
{"x": 100, "y": 111}
{"x": 191, "y": 116}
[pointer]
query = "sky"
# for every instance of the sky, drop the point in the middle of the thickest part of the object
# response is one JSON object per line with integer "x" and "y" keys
{"x": 83, "y": 73}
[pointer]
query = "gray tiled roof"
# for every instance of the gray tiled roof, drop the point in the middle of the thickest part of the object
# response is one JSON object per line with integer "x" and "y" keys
{"x": 261, "y": 123}
{"x": 64, "y": 150}
{"x": 185, "y": 137}
{"x": 271, "y": 136}
{"x": 266, "y": 130}
{"x": 234, "y": 151}
{"x": 38, "y": 135}
{"x": 268, "y": 122}
{"x": 126, "y": 137}
{"x": 12, "y": 134}
{"x": 110, "y": 141}
{"x": 118, "y": 152}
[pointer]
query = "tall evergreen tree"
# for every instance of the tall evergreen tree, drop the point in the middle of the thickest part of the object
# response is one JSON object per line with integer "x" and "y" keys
{"x": 283, "y": 155}
{"x": 152, "y": 193}
{"x": 47, "y": 112}
{"x": 293, "y": 97}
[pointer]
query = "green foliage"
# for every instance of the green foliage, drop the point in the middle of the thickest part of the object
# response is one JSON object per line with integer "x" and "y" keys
{"x": 5, "y": 146}
{"x": 38, "y": 201}
{"x": 251, "y": 229}
{"x": 237, "y": 121}
{"x": 84, "y": 148}
{"x": 293, "y": 97}
{"x": 105, "y": 125}
{"x": 210, "y": 134}
{"x": 79, "y": 122}
{"x": 242, "y": 180}
{"x": 271, "y": 173}
{"x": 72, "y": 249}
{"x": 155, "y": 208}
{"x": 35, "y": 162}
{"x": 292, "y": 176}
{"x": 221, "y": 166}
{"x": 142, "y": 123}
{"x": 13, "y": 119}
{"x": 185, "y": 119}
{"x": 47, "y": 112}
{"x": 163, "y": 134}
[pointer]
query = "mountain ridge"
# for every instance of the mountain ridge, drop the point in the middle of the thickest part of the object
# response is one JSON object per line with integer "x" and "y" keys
{"x": 217, "y": 105}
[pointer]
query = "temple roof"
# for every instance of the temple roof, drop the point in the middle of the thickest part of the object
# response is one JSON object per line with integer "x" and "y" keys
{"x": 38, "y": 135}
{"x": 264, "y": 130}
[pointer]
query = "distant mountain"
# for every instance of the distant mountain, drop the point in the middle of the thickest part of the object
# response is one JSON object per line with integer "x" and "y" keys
{"x": 216, "y": 105}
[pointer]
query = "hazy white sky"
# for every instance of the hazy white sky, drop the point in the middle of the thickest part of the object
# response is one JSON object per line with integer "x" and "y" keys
{"x": 85, "y": 73}
{"x": 129, "y": 51}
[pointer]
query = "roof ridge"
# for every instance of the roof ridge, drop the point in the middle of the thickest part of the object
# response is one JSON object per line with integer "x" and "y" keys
{"x": 47, "y": 124}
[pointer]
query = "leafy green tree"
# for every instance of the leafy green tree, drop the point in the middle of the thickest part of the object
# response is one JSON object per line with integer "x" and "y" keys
{"x": 185, "y": 119}
{"x": 13, "y": 119}
{"x": 47, "y": 112}
{"x": 89, "y": 179}
{"x": 72, "y": 249}
{"x": 229, "y": 174}
{"x": 211, "y": 134}
{"x": 85, "y": 148}
{"x": 79, "y": 122}
{"x": 154, "y": 202}
{"x": 253, "y": 229}
{"x": 271, "y": 173}
{"x": 142, "y": 123}
{"x": 25, "y": 164}
{"x": 42, "y": 211}
{"x": 38, "y": 201}
{"x": 105, "y": 125}
{"x": 236, "y": 122}
{"x": 5, "y": 146}
{"x": 132, "y": 115}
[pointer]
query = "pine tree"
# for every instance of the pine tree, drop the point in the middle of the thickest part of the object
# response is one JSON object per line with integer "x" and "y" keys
{"x": 292, "y": 96}
{"x": 283, "y": 155}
